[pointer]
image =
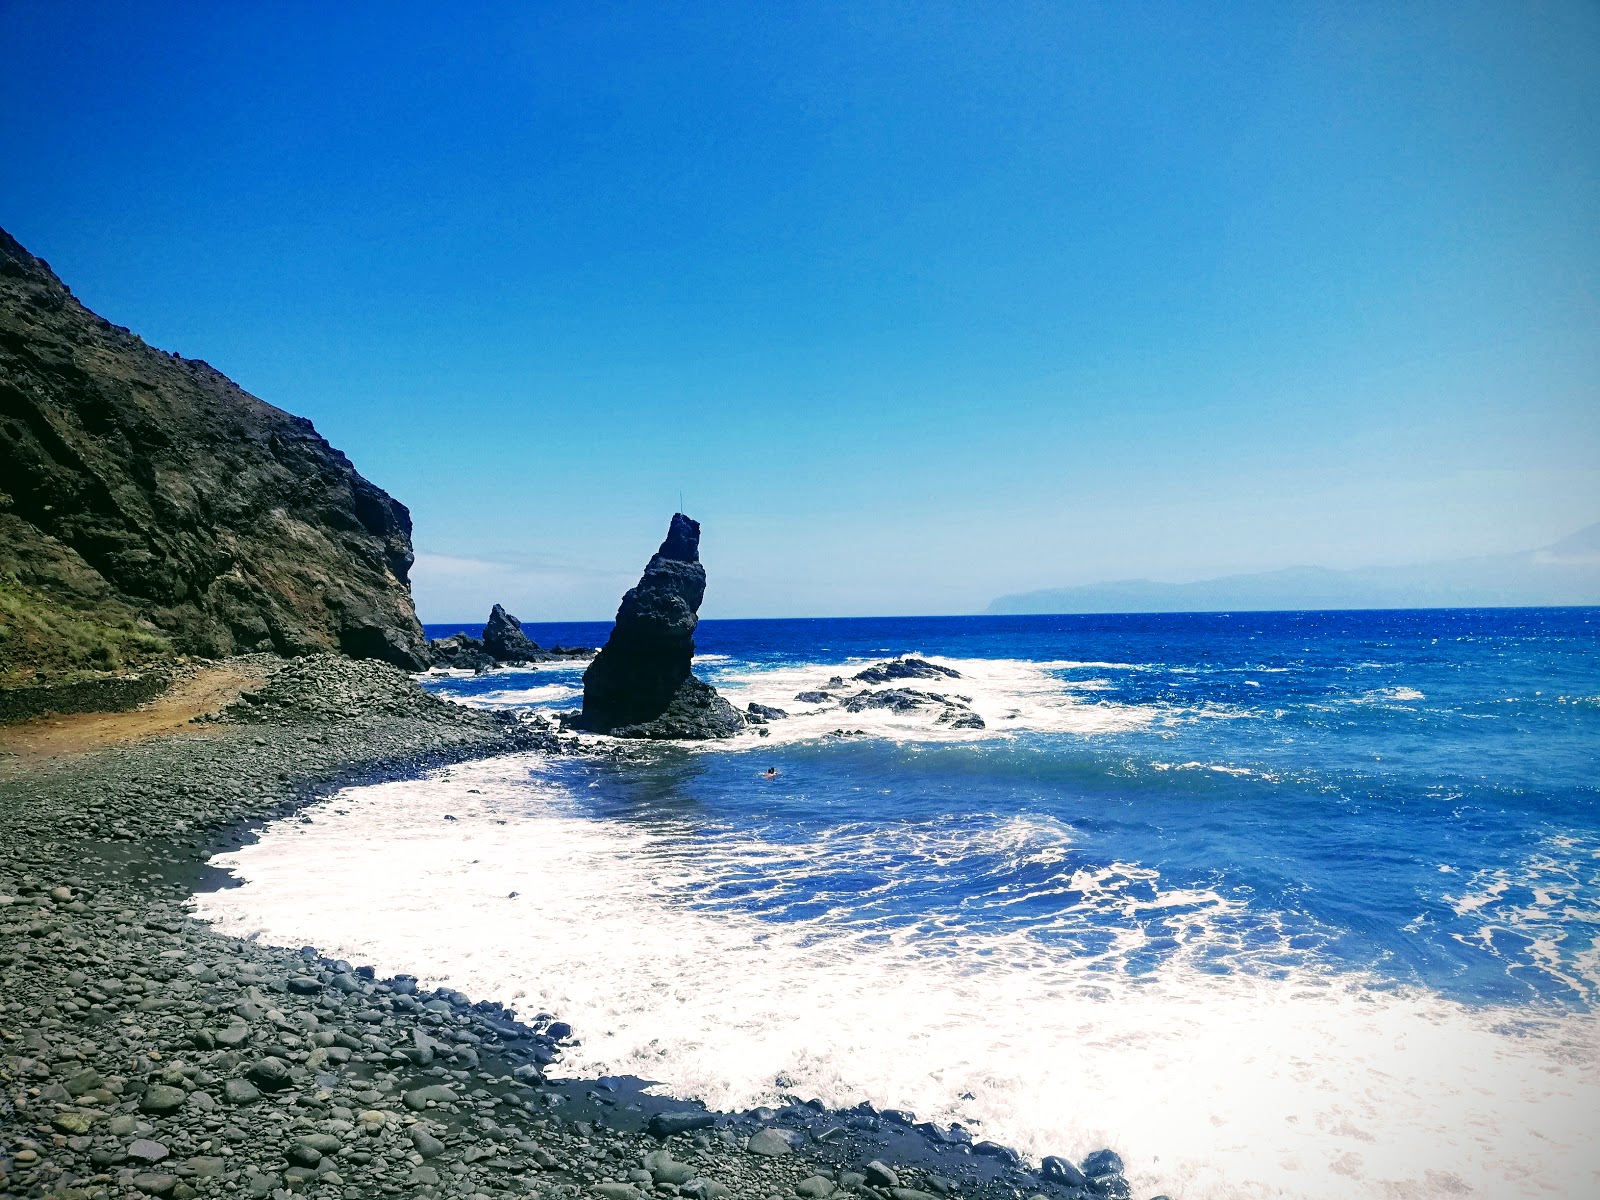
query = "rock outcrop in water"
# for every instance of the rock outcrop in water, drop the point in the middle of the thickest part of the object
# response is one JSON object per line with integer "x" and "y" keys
{"x": 461, "y": 652}
{"x": 149, "y": 505}
{"x": 504, "y": 640}
{"x": 640, "y": 685}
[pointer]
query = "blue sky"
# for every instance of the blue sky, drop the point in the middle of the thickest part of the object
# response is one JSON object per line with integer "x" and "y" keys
{"x": 914, "y": 304}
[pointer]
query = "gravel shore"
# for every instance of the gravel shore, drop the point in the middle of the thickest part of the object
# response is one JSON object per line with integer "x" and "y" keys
{"x": 142, "y": 1054}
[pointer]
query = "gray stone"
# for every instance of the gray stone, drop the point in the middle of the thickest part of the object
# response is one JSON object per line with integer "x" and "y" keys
{"x": 815, "y": 1187}
{"x": 83, "y": 1081}
{"x": 426, "y": 1144}
{"x": 163, "y": 1098}
{"x": 269, "y": 1074}
{"x": 437, "y": 1093}
{"x": 146, "y": 1150}
{"x": 240, "y": 1091}
{"x": 880, "y": 1174}
{"x": 771, "y": 1143}
{"x": 302, "y": 1155}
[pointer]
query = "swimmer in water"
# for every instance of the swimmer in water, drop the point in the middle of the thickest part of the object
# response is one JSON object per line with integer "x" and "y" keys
{"x": 770, "y": 773}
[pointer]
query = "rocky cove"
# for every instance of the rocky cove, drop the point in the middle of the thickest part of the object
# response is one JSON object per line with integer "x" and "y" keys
{"x": 142, "y": 1054}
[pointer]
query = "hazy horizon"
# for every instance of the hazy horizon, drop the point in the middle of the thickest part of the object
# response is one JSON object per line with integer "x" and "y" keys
{"x": 914, "y": 307}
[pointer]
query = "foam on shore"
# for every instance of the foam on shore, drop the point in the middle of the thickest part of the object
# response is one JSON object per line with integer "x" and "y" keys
{"x": 1234, "y": 1068}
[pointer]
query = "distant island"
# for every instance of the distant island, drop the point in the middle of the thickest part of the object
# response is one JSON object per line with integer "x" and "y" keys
{"x": 1566, "y": 573}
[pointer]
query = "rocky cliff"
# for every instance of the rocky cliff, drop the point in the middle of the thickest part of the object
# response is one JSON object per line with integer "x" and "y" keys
{"x": 148, "y": 505}
{"x": 640, "y": 685}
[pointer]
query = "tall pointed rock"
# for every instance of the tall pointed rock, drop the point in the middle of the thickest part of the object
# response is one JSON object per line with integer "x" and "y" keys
{"x": 640, "y": 685}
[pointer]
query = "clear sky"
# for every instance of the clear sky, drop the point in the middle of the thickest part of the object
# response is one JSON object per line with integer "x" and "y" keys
{"x": 914, "y": 304}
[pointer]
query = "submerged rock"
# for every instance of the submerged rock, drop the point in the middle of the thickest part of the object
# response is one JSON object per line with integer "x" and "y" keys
{"x": 640, "y": 684}
{"x": 504, "y": 641}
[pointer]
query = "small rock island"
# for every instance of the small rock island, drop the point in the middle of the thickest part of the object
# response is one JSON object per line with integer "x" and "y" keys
{"x": 640, "y": 685}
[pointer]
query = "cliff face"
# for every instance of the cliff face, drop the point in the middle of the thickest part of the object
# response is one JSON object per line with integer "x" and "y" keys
{"x": 148, "y": 504}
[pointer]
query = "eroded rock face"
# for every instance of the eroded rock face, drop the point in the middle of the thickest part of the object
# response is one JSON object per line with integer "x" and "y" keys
{"x": 144, "y": 491}
{"x": 504, "y": 640}
{"x": 640, "y": 684}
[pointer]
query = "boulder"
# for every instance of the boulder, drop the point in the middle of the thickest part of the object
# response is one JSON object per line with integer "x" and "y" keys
{"x": 905, "y": 668}
{"x": 640, "y": 684}
{"x": 461, "y": 651}
{"x": 504, "y": 641}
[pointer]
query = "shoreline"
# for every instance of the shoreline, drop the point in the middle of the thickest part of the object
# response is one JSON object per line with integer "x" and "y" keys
{"x": 120, "y": 1003}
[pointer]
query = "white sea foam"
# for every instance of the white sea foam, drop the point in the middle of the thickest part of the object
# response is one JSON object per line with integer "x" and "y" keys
{"x": 544, "y": 693}
{"x": 1541, "y": 915}
{"x": 1011, "y": 695}
{"x": 1286, "y": 1083}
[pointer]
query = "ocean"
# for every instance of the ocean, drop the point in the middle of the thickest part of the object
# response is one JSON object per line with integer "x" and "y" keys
{"x": 1273, "y": 904}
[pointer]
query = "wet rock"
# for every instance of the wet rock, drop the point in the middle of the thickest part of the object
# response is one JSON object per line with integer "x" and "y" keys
{"x": 815, "y": 1187}
{"x": 240, "y": 1091}
{"x": 1103, "y": 1162}
{"x": 665, "y": 1124}
{"x": 896, "y": 700}
{"x": 905, "y": 668}
{"x": 995, "y": 1150}
{"x": 1058, "y": 1170}
{"x": 880, "y": 1174}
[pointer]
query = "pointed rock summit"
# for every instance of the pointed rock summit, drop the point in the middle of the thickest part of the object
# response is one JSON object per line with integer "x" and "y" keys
{"x": 640, "y": 684}
{"x": 504, "y": 640}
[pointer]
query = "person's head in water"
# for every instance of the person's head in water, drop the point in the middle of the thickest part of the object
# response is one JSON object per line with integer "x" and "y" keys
{"x": 771, "y": 772}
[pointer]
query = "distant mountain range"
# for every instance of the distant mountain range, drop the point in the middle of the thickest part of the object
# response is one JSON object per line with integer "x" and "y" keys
{"x": 1567, "y": 573}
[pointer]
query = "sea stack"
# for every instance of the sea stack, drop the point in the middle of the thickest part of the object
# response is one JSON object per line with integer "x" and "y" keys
{"x": 640, "y": 684}
{"x": 504, "y": 640}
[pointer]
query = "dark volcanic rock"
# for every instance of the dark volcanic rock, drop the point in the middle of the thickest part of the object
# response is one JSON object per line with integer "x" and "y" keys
{"x": 905, "y": 668}
{"x": 150, "y": 505}
{"x": 899, "y": 700}
{"x": 504, "y": 641}
{"x": 461, "y": 651}
{"x": 640, "y": 685}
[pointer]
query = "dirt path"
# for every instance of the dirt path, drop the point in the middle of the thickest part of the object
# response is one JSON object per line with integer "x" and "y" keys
{"x": 29, "y": 744}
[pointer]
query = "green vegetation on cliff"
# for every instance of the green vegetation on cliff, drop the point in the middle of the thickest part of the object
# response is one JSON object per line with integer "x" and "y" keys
{"x": 149, "y": 506}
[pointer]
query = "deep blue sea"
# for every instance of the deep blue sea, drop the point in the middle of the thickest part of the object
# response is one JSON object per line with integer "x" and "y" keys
{"x": 1277, "y": 904}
